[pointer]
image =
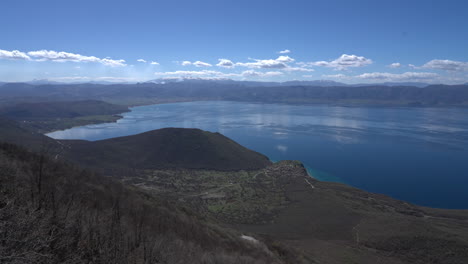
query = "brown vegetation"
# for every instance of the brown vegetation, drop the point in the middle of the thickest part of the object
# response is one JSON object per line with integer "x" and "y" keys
{"x": 52, "y": 212}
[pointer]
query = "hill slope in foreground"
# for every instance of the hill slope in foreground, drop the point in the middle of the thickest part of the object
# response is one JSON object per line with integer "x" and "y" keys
{"x": 274, "y": 204}
{"x": 53, "y": 212}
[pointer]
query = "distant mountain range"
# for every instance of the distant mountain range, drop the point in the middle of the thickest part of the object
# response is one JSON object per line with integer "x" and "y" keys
{"x": 249, "y": 83}
{"x": 295, "y": 92}
{"x": 322, "y": 83}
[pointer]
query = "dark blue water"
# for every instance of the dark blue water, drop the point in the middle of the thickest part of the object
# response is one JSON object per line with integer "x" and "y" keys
{"x": 414, "y": 154}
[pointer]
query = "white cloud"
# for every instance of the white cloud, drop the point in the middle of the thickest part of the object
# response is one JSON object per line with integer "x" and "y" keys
{"x": 154, "y": 63}
{"x": 13, "y": 55}
{"x": 141, "y": 60}
{"x": 43, "y": 55}
{"x": 113, "y": 63}
{"x": 447, "y": 65}
{"x": 279, "y": 63}
{"x": 50, "y": 55}
{"x": 265, "y": 64}
{"x": 407, "y": 76}
{"x": 285, "y": 59}
{"x": 286, "y": 51}
{"x": 197, "y": 64}
{"x": 62, "y": 56}
{"x": 344, "y": 62}
{"x": 225, "y": 63}
{"x": 201, "y": 64}
{"x": 395, "y": 65}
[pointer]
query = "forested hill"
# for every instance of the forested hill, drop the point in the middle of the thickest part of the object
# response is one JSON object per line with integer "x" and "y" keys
{"x": 144, "y": 93}
{"x": 12, "y": 132}
{"x": 61, "y": 109}
{"x": 49, "y": 116}
{"x": 167, "y": 148}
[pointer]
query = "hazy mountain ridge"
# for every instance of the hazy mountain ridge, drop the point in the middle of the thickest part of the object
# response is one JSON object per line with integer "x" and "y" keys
{"x": 195, "y": 90}
{"x": 324, "y": 82}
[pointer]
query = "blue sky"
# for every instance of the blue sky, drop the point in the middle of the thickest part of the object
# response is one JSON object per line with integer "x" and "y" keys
{"x": 350, "y": 41}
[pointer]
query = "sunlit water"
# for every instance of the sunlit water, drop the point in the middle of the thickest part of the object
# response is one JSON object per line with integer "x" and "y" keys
{"x": 414, "y": 154}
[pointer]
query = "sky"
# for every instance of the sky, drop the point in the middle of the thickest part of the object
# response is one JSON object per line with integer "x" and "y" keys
{"x": 359, "y": 41}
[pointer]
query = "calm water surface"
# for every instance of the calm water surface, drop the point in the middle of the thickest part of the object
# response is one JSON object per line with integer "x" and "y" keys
{"x": 414, "y": 154}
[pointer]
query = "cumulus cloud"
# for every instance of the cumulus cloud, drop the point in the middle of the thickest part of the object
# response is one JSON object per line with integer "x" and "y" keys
{"x": 265, "y": 64}
{"x": 62, "y": 56}
{"x": 395, "y": 65}
{"x": 141, "y": 60}
{"x": 285, "y": 59}
{"x": 286, "y": 51}
{"x": 225, "y": 63}
{"x": 154, "y": 63}
{"x": 344, "y": 62}
{"x": 13, "y": 55}
{"x": 201, "y": 64}
{"x": 197, "y": 64}
{"x": 43, "y": 55}
{"x": 407, "y": 76}
{"x": 447, "y": 65}
{"x": 278, "y": 63}
{"x": 113, "y": 63}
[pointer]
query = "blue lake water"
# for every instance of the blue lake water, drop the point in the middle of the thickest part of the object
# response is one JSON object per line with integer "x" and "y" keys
{"x": 415, "y": 154}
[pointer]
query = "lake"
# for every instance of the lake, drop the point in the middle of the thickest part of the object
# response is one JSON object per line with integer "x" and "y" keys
{"x": 418, "y": 155}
